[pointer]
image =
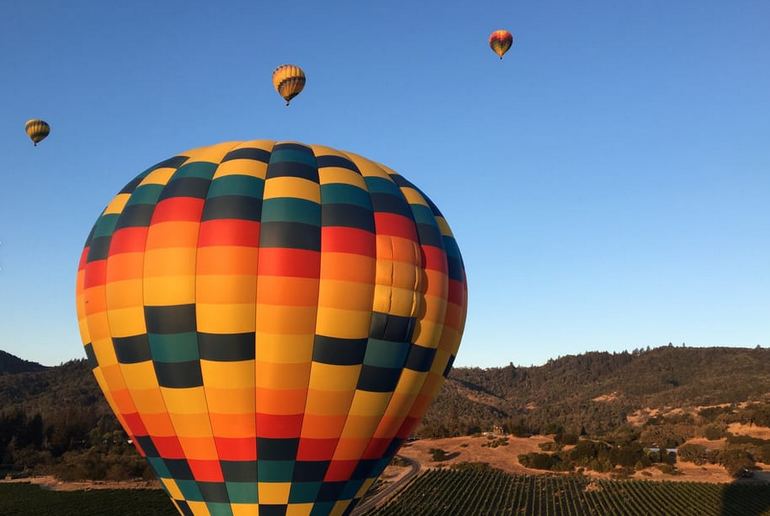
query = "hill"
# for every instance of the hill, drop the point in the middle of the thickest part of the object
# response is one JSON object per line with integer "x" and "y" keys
{"x": 597, "y": 391}
{"x": 13, "y": 364}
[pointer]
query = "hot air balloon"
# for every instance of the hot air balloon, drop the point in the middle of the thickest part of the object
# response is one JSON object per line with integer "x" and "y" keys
{"x": 500, "y": 41}
{"x": 288, "y": 81}
{"x": 269, "y": 321}
{"x": 37, "y": 130}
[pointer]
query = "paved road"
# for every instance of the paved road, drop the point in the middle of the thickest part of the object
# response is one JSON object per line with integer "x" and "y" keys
{"x": 385, "y": 494}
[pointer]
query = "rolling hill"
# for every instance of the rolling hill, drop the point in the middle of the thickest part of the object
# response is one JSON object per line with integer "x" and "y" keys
{"x": 595, "y": 391}
{"x": 12, "y": 364}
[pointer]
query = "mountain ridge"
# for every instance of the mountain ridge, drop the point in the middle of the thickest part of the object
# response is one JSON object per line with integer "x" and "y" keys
{"x": 11, "y": 364}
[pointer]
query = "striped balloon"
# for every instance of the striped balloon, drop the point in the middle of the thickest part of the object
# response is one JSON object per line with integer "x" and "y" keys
{"x": 269, "y": 321}
{"x": 500, "y": 41}
{"x": 288, "y": 81}
{"x": 37, "y": 130}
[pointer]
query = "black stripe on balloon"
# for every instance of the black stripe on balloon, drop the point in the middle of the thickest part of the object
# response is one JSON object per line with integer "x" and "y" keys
{"x": 384, "y": 202}
{"x": 132, "y": 350}
{"x": 378, "y": 379}
{"x": 401, "y": 181}
{"x": 135, "y": 215}
{"x": 395, "y": 328}
{"x": 179, "y": 375}
{"x": 184, "y": 508}
{"x": 420, "y": 359}
{"x": 347, "y": 215}
{"x": 272, "y": 510}
{"x": 98, "y": 249}
{"x": 292, "y": 235}
{"x": 330, "y": 491}
{"x": 455, "y": 268}
{"x": 90, "y": 356}
{"x": 448, "y": 367}
{"x": 430, "y": 235}
{"x": 170, "y": 319}
{"x": 338, "y": 351}
{"x": 248, "y": 153}
{"x": 337, "y": 161}
{"x": 229, "y": 347}
{"x": 196, "y": 187}
{"x": 232, "y": 207}
{"x": 239, "y": 471}
{"x": 145, "y": 442}
{"x": 277, "y": 449}
{"x": 179, "y": 469}
{"x": 310, "y": 471}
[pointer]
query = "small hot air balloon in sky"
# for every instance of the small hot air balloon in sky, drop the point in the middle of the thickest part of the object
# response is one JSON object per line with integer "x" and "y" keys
{"x": 37, "y": 130}
{"x": 500, "y": 41}
{"x": 269, "y": 321}
{"x": 288, "y": 81}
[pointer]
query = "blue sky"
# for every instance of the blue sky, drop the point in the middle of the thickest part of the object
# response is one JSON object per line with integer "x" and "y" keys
{"x": 607, "y": 182}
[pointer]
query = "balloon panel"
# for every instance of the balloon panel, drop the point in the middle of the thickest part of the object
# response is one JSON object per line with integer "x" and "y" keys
{"x": 269, "y": 321}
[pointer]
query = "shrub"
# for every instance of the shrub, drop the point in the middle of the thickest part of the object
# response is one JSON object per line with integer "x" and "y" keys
{"x": 695, "y": 453}
{"x": 536, "y": 460}
{"x": 713, "y": 432}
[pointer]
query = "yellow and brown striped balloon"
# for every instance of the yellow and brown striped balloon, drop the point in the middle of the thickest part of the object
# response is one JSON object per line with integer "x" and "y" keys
{"x": 37, "y": 130}
{"x": 500, "y": 41}
{"x": 288, "y": 81}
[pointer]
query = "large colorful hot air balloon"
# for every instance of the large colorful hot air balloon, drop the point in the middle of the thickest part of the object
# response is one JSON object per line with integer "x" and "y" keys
{"x": 269, "y": 321}
{"x": 288, "y": 81}
{"x": 500, "y": 41}
{"x": 37, "y": 130}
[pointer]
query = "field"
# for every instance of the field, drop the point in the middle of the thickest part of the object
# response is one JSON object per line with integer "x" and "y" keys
{"x": 443, "y": 492}
{"x": 27, "y": 499}
{"x": 450, "y": 492}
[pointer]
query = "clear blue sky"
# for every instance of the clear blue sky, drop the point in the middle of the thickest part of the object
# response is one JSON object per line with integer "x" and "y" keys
{"x": 608, "y": 182}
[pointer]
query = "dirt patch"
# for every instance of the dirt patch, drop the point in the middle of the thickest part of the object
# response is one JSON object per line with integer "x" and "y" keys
{"x": 607, "y": 398}
{"x": 712, "y": 473}
{"x": 758, "y": 432}
{"x": 641, "y": 416}
{"x": 716, "y": 444}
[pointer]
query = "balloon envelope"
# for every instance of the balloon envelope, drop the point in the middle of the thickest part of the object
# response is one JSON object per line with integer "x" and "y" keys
{"x": 288, "y": 81}
{"x": 269, "y": 321}
{"x": 37, "y": 130}
{"x": 500, "y": 41}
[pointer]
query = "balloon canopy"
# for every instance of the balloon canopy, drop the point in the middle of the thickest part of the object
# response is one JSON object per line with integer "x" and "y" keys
{"x": 288, "y": 81}
{"x": 37, "y": 130}
{"x": 500, "y": 42}
{"x": 269, "y": 321}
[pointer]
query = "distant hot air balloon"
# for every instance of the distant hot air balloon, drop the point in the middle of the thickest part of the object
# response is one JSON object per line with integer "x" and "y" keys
{"x": 288, "y": 81}
{"x": 269, "y": 322}
{"x": 500, "y": 41}
{"x": 37, "y": 130}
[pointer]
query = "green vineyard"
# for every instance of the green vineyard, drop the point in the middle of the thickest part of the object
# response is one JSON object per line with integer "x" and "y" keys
{"x": 443, "y": 492}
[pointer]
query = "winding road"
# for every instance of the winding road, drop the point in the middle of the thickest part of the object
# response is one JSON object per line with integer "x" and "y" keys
{"x": 381, "y": 498}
